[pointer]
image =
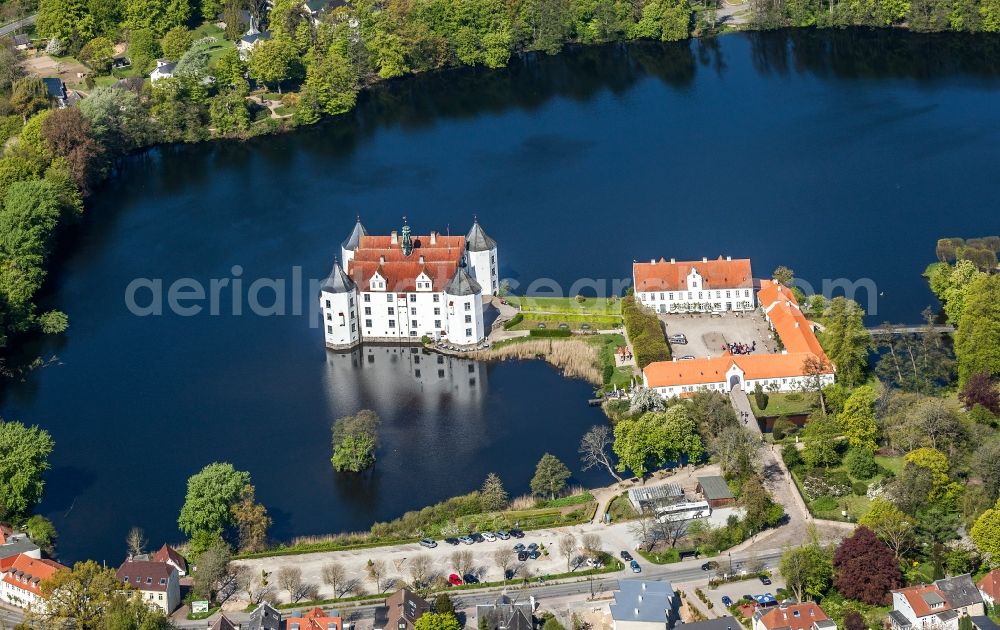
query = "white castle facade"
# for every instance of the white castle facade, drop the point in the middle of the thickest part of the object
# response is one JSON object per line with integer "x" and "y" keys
{"x": 403, "y": 287}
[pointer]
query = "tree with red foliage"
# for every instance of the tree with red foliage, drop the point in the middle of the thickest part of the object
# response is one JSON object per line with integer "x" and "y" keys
{"x": 865, "y": 569}
{"x": 854, "y": 621}
{"x": 68, "y": 135}
{"x": 981, "y": 390}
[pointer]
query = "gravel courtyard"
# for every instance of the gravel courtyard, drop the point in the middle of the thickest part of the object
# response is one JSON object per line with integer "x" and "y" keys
{"x": 707, "y": 334}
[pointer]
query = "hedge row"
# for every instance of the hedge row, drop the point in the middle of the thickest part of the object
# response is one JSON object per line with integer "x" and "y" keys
{"x": 644, "y": 332}
{"x": 550, "y": 332}
{"x": 513, "y": 321}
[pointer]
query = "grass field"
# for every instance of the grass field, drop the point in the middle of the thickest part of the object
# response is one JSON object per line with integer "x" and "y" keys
{"x": 217, "y": 48}
{"x": 591, "y": 306}
{"x": 790, "y": 404}
{"x": 855, "y": 505}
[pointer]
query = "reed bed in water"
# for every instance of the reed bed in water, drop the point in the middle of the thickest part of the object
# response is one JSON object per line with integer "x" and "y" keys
{"x": 576, "y": 358}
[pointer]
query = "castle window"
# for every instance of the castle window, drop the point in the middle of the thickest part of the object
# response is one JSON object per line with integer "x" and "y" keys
{"x": 437, "y": 298}
{"x": 468, "y": 306}
{"x": 368, "y": 297}
{"x": 413, "y": 297}
{"x": 389, "y": 297}
{"x": 328, "y": 303}
{"x": 368, "y": 323}
{"x": 368, "y": 310}
{"x": 468, "y": 332}
{"x": 437, "y": 311}
{"x": 437, "y": 323}
{"x": 392, "y": 311}
{"x": 468, "y": 319}
{"x": 413, "y": 324}
{"x": 392, "y": 323}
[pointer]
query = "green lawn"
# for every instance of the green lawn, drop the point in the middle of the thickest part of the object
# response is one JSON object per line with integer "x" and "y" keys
{"x": 895, "y": 464}
{"x": 574, "y": 321}
{"x": 621, "y": 508}
{"x": 594, "y": 306}
{"x": 219, "y": 47}
{"x": 856, "y": 506}
{"x": 790, "y": 404}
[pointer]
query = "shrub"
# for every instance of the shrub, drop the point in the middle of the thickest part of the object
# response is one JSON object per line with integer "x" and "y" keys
{"x": 824, "y": 504}
{"x": 783, "y": 427}
{"x": 760, "y": 397}
{"x": 550, "y": 332}
{"x": 861, "y": 463}
{"x": 793, "y": 397}
{"x": 513, "y": 321}
{"x": 818, "y": 483}
{"x": 860, "y": 488}
{"x": 580, "y": 299}
{"x": 792, "y": 457}
{"x": 607, "y": 373}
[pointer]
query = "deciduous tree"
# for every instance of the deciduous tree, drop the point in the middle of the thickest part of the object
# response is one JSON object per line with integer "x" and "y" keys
{"x": 894, "y": 527}
{"x": 24, "y": 458}
{"x": 594, "y": 449}
{"x": 211, "y": 494}
{"x": 808, "y": 570}
{"x": 858, "y": 418}
{"x": 355, "y": 439}
{"x": 979, "y": 389}
{"x": 985, "y": 531}
{"x": 866, "y": 569}
{"x": 437, "y": 621}
{"x": 273, "y": 62}
{"x": 977, "y": 340}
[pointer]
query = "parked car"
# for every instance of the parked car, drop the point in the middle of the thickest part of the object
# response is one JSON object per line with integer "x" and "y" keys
{"x": 748, "y": 598}
{"x": 711, "y": 565}
{"x": 534, "y": 554}
{"x": 451, "y": 540}
{"x": 503, "y": 535}
{"x": 489, "y": 536}
{"x": 508, "y": 574}
{"x": 678, "y": 339}
{"x": 594, "y": 563}
{"x": 635, "y": 567}
{"x": 766, "y": 581}
{"x": 687, "y": 357}
{"x": 532, "y": 546}
{"x": 522, "y": 555}
{"x": 476, "y": 537}
{"x": 519, "y": 547}
{"x": 517, "y": 533}
{"x": 429, "y": 543}
{"x": 466, "y": 540}
{"x": 726, "y": 600}
{"x": 626, "y": 556}
{"x": 470, "y": 579}
{"x": 454, "y": 580}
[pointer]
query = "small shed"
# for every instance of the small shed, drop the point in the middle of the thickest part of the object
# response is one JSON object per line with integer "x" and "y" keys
{"x": 716, "y": 491}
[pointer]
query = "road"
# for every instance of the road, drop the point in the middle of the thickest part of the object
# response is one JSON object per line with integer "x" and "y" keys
{"x": 16, "y": 25}
{"x": 687, "y": 571}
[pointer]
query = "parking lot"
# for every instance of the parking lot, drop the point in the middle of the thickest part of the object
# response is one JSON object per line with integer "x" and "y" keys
{"x": 707, "y": 334}
{"x": 736, "y": 590}
{"x": 400, "y": 561}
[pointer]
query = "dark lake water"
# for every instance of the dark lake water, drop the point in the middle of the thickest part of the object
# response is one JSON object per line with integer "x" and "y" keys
{"x": 843, "y": 155}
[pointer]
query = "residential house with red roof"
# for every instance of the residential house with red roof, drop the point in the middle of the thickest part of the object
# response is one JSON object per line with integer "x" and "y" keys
{"x": 403, "y": 287}
{"x": 172, "y": 557}
{"x": 989, "y": 587}
{"x": 315, "y": 619}
{"x": 22, "y": 579}
{"x": 806, "y": 616}
{"x": 800, "y": 362}
{"x": 158, "y": 582}
{"x": 939, "y": 605}
{"x": 706, "y": 286}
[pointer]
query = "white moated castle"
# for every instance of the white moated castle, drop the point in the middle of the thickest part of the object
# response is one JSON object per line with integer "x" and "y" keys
{"x": 402, "y": 287}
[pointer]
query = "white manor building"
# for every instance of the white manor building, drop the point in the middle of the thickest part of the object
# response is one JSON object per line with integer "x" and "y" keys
{"x": 682, "y": 287}
{"x": 403, "y": 287}
{"x": 797, "y": 367}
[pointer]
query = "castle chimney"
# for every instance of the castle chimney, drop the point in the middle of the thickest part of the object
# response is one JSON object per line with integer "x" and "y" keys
{"x": 381, "y": 260}
{"x": 636, "y": 612}
{"x": 729, "y": 257}
{"x": 704, "y": 259}
{"x": 434, "y": 237}
{"x": 394, "y": 238}
{"x": 673, "y": 261}
{"x": 421, "y": 259}
{"x": 652, "y": 261}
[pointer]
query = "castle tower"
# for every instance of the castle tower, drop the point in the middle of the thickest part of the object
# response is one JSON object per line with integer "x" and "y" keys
{"x": 482, "y": 252}
{"x": 338, "y": 300}
{"x": 348, "y": 247}
{"x": 464, "y": 298}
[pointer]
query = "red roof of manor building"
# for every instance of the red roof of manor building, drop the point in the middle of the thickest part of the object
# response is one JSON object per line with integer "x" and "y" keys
{"x": 28, "y": 573}
{"x": 384, "y": 255}
{"x": 315, "y": 619}
{"x": 782, "y": 310}
{"x": 664, "y": 275}
{"x": 990, "y": 584}
{"x": 794, "y": 616}
{"x": 713, "y": 369}
{"x": 146, "y": 575}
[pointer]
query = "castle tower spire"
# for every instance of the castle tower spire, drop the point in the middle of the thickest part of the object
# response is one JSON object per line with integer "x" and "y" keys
{"x": 407, "y": 241}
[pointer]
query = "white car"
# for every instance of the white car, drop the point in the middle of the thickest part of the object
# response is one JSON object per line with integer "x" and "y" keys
{"x": 489, "y": 536}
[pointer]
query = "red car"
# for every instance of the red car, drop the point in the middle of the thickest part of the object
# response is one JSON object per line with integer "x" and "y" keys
{"x": 454, "y": 579}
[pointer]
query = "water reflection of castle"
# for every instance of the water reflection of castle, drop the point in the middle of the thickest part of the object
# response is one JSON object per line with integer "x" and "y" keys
{"x": 404, "y": 375}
